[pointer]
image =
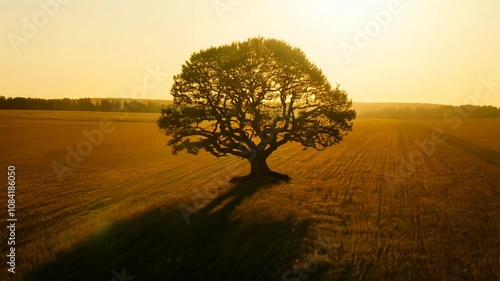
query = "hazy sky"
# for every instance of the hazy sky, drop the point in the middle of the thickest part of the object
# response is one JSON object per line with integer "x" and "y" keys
{"x": 378, "y": 50}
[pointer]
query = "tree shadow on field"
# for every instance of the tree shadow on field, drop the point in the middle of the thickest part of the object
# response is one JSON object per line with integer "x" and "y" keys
{"x": 159, "y": 245}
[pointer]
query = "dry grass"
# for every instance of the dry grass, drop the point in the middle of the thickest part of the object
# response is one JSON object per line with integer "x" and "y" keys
{"x": 346, "y": 209}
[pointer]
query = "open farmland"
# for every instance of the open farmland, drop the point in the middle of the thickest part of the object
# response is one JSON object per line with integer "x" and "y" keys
{"x": 355, "y": 211}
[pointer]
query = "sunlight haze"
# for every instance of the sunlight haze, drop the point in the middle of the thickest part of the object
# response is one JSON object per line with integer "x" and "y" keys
{"x": 416, "y": 51}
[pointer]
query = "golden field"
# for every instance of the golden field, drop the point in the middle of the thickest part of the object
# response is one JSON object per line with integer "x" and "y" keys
{"x": 349, "y": 213}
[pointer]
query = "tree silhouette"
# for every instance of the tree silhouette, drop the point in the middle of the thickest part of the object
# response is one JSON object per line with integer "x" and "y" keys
{"x": 249, "y": 98}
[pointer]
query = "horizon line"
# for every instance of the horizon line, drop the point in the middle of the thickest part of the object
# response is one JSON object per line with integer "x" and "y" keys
{"x": 171, "y": 100}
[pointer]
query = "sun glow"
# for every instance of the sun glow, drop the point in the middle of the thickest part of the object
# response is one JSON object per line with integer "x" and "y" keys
{"x": 398, "y": 50}
{"x": 339, "y": 11}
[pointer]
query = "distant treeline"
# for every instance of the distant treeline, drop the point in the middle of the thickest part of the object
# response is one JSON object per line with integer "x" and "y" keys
{"x": 365, "y": 110}
{"x": 85, "y": 104}
{"x": 445, "y": 111}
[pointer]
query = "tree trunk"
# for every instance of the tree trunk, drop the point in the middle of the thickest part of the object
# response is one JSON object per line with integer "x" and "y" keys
{"x": 260, "y": 170}
{"x": 258, "y": 166}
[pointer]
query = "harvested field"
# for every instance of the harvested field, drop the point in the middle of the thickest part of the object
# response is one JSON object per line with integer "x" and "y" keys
{"x": 393, "y": 201}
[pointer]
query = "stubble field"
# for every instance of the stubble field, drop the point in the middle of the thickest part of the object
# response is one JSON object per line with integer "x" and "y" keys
{"x": 393, "y": 201}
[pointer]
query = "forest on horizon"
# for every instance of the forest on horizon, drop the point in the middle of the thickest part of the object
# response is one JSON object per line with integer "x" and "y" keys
{"x": 363, "y": 109}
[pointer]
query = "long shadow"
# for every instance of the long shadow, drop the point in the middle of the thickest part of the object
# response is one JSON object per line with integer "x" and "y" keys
{"x": 159, "y": 245}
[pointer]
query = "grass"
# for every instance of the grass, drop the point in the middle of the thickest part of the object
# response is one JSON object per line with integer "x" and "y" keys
{"x": 347, "y": 214}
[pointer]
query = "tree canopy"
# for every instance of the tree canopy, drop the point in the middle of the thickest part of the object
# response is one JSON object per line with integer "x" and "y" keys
{"x": 248, "y": 98}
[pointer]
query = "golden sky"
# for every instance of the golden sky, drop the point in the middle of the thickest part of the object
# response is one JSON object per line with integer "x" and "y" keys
{"x": 440, "y": 51}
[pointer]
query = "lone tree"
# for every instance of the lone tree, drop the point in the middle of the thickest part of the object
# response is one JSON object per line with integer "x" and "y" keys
{"x": 249, "y": 98}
